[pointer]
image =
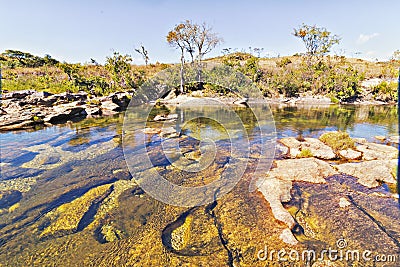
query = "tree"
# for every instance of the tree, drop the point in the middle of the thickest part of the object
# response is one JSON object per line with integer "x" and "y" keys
{"x": 396, "y": 55}
{"x": 195, "y": 39}
{"x": 120, "y": 69}
{"x": 318, "y": 40}
{"x": 176, "y": 39}
{"x": 205, "y": 40}
{"x": 144, "y": 53}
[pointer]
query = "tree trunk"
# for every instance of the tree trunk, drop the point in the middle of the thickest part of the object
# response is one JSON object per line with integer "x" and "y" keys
{"x": 182, "y": 72}
{"x": 199, "y": 78}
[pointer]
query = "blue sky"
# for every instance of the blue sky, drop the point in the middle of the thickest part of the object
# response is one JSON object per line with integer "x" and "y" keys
{"x": 76, "y": 31}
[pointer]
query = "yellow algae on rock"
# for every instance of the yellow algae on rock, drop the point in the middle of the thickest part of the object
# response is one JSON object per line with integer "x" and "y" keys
{"x": 20, "y": 184}
{"x": 13, "y": 207}
{"x": 111, "y": 201}
{"x": 67, "y": 216}
{"x": 181, "y": 235}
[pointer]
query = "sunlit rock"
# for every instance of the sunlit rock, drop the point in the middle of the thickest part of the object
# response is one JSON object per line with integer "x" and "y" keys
{"x": 372, "y": 151}
{"x": 370, "y": 173}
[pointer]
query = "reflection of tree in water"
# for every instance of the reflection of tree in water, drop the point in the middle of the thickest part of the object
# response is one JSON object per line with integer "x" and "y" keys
{"x": 341, "y": 117}
{"x": 223, "y": 119}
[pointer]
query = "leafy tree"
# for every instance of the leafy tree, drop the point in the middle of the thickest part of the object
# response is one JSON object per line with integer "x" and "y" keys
{"x": 120, "y": 69}
{"x": 72, "y": 70}
{"x": 396, "y": 55}
{"x": 317, "y": 40}
{"x": 144, "y": 53}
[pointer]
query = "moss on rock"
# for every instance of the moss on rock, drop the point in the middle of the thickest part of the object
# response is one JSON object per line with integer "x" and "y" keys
{"x": 337, "y": 140}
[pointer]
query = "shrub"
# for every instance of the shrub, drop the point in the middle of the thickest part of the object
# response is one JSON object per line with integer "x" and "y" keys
{"x": 385, "y": 91}
{"x": 337, "y": 140}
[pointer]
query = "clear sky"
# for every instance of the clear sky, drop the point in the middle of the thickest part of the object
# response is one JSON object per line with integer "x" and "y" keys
{"x": 77, "y": 30}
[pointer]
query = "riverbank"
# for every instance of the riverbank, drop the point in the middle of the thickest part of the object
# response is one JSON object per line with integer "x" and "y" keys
{"x": 29, "y": 109}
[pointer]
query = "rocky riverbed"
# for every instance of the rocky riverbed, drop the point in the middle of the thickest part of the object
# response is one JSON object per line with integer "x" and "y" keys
{"x": 313, "y": 196}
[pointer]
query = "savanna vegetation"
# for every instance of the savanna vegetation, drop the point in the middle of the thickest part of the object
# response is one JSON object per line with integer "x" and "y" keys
{"x": 314, "y": 72}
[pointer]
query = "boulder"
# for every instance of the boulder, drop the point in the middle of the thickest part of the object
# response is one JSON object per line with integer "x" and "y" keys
{"x": 63, "y": 113}
{"x": 360, "y": 140}
{"x": 18, "y": 94}
{"x": 165, "y": 117}
{"x": 380, "y": 138}
{"x": 109, "y": 108}
{"x": 372, "y": 151}
{"x": 122, "y": 99}
{"x": 168, "y": 132}
{"x": 370, "y": 173}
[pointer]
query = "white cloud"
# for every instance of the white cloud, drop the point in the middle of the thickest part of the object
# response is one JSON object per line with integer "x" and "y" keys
{"x": 363, "y": 38}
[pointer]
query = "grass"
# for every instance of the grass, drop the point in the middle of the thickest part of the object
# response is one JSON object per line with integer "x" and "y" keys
{"x": 305, "y": 153}
{"x": 337, "y": 140}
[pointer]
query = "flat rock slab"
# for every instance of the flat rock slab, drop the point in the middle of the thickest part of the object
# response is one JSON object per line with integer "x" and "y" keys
{"x": 317, "y": 148}
{"x": 370, "y": 172}
{"x": 372, "y": 151}
{"x": 350, "y": 154}
{"x": 307, "y": 170}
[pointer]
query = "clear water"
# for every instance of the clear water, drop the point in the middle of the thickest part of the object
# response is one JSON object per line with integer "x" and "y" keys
{"x": 56, "y": 165}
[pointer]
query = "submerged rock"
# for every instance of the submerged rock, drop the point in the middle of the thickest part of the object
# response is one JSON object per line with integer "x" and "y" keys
{"x": 110, "y": 234}
{"x": 19, "y": 184}
{"x": 278, "y": 183}
{"x": 66, "y": 218}
{"x": 181, "y": 235}
{"x": 343, "y": 202}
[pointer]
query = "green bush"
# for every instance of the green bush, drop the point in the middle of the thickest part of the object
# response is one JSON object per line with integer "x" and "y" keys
{"x": 385, "y": 91}
{"x": 337, "y": 140}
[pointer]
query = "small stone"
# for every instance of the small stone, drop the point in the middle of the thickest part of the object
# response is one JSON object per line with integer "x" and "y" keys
{"x": 394, "y": 139}
{"x": 380, "y": 137}
{"x": 360, "y": 140}
{"x": 165, "y": 118}
{"x": 151, "y": 131}
{"x": 343, "y": 203}
{"x": 350, "y": 154}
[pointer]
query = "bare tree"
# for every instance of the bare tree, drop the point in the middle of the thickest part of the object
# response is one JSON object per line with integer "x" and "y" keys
{"x": 144, "y": 53}
{"x": 176, "y": 39}
{"x": 195, "y": 39}
{"x": 205, "y": 40}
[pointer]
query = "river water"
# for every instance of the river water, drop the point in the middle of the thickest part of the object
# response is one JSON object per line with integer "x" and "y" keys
{"x": 67, "y": 194}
